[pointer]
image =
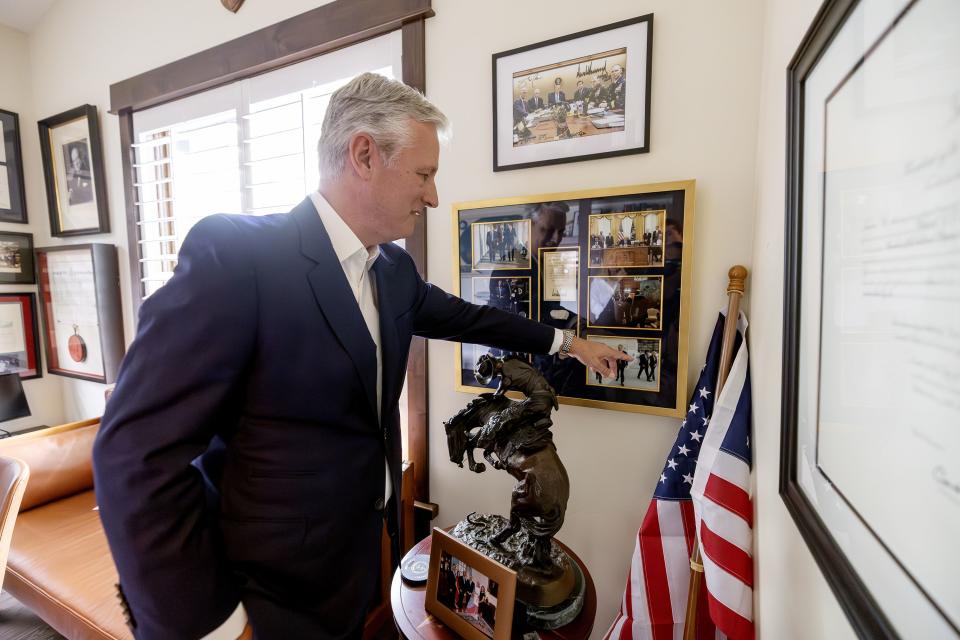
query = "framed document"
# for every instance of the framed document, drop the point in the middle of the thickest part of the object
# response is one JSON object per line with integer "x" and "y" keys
{"x": 577, "y": 97}
{"x": 73, "y": 171}
{"x": 19, "y": 346}
{"x": 870, "y": 460}
{"x": 13, "y": 201}
{"x": 80, "y": 293}
{"x": 16, "y": 258}
{"x": 612, "y": 265}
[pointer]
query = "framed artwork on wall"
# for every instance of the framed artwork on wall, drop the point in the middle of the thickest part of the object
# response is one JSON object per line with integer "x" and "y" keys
{"x": 73, "y": 171}
{"x": 869, "y": 445}
{"x": 16, "y": 258}
{"x": 80, "y": 297}
{"x": 13, "y": 201}
{"x": 19, "y": 338}
{"x": 613, "y": 265}
{"x": 577, "y": 97}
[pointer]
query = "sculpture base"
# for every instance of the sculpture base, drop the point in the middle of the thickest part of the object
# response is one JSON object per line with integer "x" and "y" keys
{"x": 552, "y": 595}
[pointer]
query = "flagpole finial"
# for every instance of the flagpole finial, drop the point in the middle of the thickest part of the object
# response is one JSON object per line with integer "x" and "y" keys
{"x": 738, "y": 276}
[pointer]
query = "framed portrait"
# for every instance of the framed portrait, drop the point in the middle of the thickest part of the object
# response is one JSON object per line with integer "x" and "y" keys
{"x": 19, "y": 344}
{"x": 80, "y": 297}
{"x": 577, "y": 97}
{"x": 13, "y": 201}
{"x": 639, "y": 299}
{"x": 16, "y": 258}
{"x": 869, "y": 447}
{"x": 73, "y": 171}
{"x": 470, "y": 593}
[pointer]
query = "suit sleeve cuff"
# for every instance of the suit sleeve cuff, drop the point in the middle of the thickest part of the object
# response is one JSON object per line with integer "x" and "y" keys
{"x": 557, "y": 341}
{"x": 232, "y": 628}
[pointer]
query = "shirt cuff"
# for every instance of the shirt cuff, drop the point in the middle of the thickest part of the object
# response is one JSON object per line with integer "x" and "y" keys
{"x": 557, "y": 341}
{"x": 232, "y": 628}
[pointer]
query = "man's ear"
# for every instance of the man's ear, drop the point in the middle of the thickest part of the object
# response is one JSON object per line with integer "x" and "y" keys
{"x": 360, "y": 153}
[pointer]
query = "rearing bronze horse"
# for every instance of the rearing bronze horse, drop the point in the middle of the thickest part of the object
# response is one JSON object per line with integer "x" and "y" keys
{"x": 515, "y": 437}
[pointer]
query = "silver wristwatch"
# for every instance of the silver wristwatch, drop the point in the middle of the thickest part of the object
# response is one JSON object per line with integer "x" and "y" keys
{"x": 567, "y": 343}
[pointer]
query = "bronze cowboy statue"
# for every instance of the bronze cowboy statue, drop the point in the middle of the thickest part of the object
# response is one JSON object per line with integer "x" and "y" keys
{"x": 516, "y": 437}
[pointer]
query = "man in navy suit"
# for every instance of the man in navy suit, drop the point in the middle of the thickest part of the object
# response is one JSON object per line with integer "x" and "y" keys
{"x": 520, "y": 107}
{"x": 536, "y": 102}
{"x": 248, "y": 458}
{"x": 557, "y": 96}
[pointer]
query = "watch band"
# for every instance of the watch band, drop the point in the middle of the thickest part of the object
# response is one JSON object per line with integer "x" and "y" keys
{"x": 566, "y": 344}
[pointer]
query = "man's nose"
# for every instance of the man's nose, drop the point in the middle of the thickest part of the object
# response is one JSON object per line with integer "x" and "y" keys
{"x": 430, "y": 197}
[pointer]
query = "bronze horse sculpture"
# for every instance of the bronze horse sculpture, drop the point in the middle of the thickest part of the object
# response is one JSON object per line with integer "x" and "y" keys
{"x": 516, "y": 437}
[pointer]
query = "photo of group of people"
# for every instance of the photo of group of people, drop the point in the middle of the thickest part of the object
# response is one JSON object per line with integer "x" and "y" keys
{"x": 634, "y": 302}
{"x": 501, "y": 245}
{"x": 585, "y": 96}
{"x": 628, "y": 239}
{"x": 11, "y": 257}
{"x": 468, "y": 593}
{"x": 510, "y": 294}
{"x": 641, "y": 373}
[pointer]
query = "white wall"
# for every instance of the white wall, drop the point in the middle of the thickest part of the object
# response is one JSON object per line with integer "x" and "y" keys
{"x": 704, "y": 113}
{"x": 793, "y": 600}
{"x": 43, "y": 394}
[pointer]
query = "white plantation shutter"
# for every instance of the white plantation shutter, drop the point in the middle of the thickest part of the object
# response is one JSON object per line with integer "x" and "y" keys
{"x": 247, "y": 147}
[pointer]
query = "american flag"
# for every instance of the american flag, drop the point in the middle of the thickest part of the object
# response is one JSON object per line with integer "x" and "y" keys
{"x": 704, "y": 484}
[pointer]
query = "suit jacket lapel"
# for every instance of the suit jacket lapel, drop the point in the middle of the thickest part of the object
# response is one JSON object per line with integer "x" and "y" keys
{"x": 336, "y": 299}
{"x": 384, "y": 270}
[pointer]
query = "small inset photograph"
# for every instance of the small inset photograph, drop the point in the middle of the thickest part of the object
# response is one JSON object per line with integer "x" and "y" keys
{"x": 468, "y": 593}
{"x": 500, "y": 245}
{"x": 627, "y": 302}
{"x": 640, "y": 374}
{"x": 628, "y": 239}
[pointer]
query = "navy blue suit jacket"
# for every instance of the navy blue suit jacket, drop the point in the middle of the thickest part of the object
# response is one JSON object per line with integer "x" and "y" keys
{"x": 255, "y": 363}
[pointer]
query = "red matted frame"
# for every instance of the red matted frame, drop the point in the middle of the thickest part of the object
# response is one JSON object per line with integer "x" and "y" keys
{"x": 28, "y": 316}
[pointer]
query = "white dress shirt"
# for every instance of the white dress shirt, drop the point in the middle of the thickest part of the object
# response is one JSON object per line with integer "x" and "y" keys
{"x": 356, "y": 261}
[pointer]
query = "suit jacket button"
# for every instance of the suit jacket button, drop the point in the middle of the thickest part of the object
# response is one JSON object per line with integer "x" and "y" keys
{"x": 378, "y": 505}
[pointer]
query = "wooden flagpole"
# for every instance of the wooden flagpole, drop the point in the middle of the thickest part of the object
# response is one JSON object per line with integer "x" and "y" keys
{"x": 735, "y": 289}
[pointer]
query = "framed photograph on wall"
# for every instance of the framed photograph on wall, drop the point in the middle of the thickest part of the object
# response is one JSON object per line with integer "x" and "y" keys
{"x": 19, "y": 339}
{"x": 577, "y": 97}
{"x": 73, "y": 171}
{"x": 612, "y": 265}
{"x": 16, "y": 258}
{"x": 80, "y": 296}
{"x": 471, "y": 593}
{"x": 870, "y": 446}
{"x": 13, "y": 201}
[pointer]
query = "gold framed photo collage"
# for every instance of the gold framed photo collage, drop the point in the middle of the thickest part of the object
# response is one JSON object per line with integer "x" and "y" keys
{"x": 612, "y": 265}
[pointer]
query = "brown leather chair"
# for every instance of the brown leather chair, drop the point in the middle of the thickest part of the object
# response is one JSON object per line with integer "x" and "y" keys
{"x": 13, "y": 482}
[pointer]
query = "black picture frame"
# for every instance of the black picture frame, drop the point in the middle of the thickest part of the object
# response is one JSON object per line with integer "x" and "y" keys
{"x": 585, "y": 123}
{"x": 16, "y": 258}
{"x": 80, "y": 210}
{"x": 94, "y": 295}
{"x": 858, "y": 600}
{"x": 31, "y": 369}
{"x": 13, "y": 200}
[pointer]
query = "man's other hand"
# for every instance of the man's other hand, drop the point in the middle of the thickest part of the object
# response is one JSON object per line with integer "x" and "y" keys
{"x": 598, "y": 356}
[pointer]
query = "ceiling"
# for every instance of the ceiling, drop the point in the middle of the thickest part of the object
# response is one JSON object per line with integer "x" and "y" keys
{"x": 23, "y": 15}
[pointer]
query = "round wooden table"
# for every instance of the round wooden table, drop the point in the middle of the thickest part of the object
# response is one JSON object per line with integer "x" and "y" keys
{"x": 413, "y": 621}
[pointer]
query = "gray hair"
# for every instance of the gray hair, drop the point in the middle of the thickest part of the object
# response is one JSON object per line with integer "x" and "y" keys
{"x": 378, "y": 106}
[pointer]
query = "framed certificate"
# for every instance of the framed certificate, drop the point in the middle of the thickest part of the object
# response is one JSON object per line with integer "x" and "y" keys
{"x": 870, "y": 458}
{"x": 612, "y": 265}
{"x": 13, "y": 201}
{"x": 80, "y": 293}
{"x": 19, "y": 345}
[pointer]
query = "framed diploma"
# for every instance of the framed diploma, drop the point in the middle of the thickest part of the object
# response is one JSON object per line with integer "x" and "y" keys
{"x": 80, "y": 293}
{"x": 870, "y": 458}
{"x": 612, "y": 265}
{"x": 19, "y": 346}
{"x": 13, "y": 201}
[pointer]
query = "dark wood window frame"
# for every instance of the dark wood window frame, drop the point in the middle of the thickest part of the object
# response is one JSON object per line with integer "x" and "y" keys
{"x": 327, "y": 28}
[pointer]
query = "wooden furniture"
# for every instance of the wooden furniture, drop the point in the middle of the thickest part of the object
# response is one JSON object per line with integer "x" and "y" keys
{"x": 414, "y": 623}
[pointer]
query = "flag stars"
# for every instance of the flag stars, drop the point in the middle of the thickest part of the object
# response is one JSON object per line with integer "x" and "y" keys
{"x": 693, "y": 408}
{"x": 663, "y": 478}
{"x": 683, "y": 450}
{"x": 687, "y": 478}
{"x": 672, "y": 463}
{"x": 704, "y": 393}
{"x": 696, "y": 435}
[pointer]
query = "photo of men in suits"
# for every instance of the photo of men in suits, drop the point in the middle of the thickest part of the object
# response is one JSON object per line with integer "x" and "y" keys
{"x": 642, "y": 373}
{"x": 468, "y": 593}
{"x": 249, "y": 460}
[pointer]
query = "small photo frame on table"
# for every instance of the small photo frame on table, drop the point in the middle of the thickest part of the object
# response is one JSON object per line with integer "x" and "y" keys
{"x": 80, "y": 297}
{"x": 577, "y": 97}
{"x": 19, "y": 338}
{"x": 871, "y": 349}
{"x": 73, "y": 171}
{"x": 13, "y": 202}
{"x": 612, "y": 265}
{"x": 469, "y": 592}
{"x": 16, "y": 258}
